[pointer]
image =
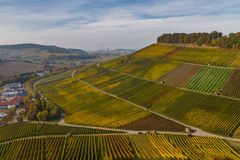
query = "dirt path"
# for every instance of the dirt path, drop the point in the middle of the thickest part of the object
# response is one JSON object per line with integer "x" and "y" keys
{"x": 198, "y": 132}
{"x": 73, "y": 73}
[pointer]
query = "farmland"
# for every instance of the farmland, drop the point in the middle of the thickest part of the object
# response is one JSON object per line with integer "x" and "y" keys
{"x": 159, "y": 52}
{"x": 91, "y": 105}
{"x": 179, "y": 76}
{"x": 196, "y": 69}
{"x": 209, "y": 79}
{"x": 213, "y": 56}
{"x": 158, "y": 79}
{"x": 96, "y": 108}
{"x": 198, "y": 108}
{"x": 117, "y": 147}
{"x": 38, "y": 129}
{"x": 153, "y": 122}
{"x": 56, "y": 77}
{"x": 232, "y": 86}
{"x": 11, "y": 68}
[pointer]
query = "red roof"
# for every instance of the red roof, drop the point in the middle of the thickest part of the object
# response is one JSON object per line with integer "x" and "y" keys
{"x": 14, "y": 101}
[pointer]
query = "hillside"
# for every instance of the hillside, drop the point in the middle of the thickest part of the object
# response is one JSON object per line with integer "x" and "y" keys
{"x": 160, "y": 78}
{"x": 43, "y": 53}
{"x": 118, "y": 146}
{"x": 161, "y": 89}
{"x": 38, "y": 47}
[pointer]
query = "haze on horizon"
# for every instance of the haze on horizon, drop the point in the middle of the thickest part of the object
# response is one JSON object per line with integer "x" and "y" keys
{"x": 90, "y": 24}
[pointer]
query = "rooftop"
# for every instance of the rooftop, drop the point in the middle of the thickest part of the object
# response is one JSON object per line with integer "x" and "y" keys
{"x": 15, "y": 100}
{"x": 13, "y": 85}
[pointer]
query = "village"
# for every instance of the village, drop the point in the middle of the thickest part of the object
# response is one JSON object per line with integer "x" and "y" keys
{"x": 10, "y": 100}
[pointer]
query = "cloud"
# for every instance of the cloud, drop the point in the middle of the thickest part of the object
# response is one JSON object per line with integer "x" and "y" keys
{"x": 89, "y": 24}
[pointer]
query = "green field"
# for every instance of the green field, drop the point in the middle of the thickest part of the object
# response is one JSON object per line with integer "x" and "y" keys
{"x": 209, "y": 79}
{"x": 118, "y": 147}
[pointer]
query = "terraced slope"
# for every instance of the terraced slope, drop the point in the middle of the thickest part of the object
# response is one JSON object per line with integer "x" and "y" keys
{"x": 15, "y": 131}
{"x": 150, "y": 62}
{"x": 55, "y": 77}
{"x": 211, "y": 113}
{"x": 86, "y": 105}
{"x": 153, "y": 123}
{"x": 236, "y": 62}
{"x": 118, "y": 147}
{"x": 96, "y": 108}
{"x": 167, "y": 64}
{"x": 179, "y": 76}
{"x": 160, "y": 53}
{"x": 213, "y": 56}
{"x": 209, "y": 79}
{"x": 232, "y": 86}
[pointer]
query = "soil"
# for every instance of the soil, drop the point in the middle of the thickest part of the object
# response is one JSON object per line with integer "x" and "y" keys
{"x": 154, "y": 122}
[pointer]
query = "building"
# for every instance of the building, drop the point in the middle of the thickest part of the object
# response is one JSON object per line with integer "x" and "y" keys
{"x": 42, "y": 73}
{"x": 12, "y": 103}
{"x": 3, "y": 115}
{"x": 13, "y": 90}
{"x": 13, "y": 86}
{"x": 14, "y": 93}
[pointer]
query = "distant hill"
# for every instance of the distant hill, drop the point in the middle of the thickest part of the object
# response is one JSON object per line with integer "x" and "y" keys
{"x": 44, "y": 54}
{"x": 38, "y": 47}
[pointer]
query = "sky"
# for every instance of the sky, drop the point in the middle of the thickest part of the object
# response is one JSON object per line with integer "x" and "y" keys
{"x": 101, "y": 24}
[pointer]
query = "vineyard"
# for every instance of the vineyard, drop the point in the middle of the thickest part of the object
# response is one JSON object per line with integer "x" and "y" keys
{"x": 36, "y": 129}
{"x": 94, "y": 107}
{"x": 232, "y": 86}
{"x": 56, "y": 77}
{"x": 157, "y": 78}
{"x": 210, "y": 113}
{"x": 209, "y": 79}
{"x": 213, "y": 56}
{"x": 236, "y": 62}
{"x": 153, "y": 123}
{"x": 149, "y": 146}
{"x": 155, "y": 54}
{"x": 179, "y": 76}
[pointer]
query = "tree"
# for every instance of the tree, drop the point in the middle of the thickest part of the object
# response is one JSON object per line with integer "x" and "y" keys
{"x": 42, "y": 116}
{"x": 215, "y": 38}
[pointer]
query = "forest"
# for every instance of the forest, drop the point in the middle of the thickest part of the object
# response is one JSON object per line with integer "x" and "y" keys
{"x": 213, "y": 39}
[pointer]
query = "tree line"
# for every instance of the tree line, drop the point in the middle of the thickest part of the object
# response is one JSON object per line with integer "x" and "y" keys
{"x": 213, "y": 39}
{"x": 38, "y": 108}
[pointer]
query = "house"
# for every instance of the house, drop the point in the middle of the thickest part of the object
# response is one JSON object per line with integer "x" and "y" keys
{"x": 13, "y": 90}
{"x": 14, "y": 93}
{"x": 12, "y": 103}
{"x": 13, "y": 86}
{"x": 42, "y": 73}
{"x": 3, "y": 115}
